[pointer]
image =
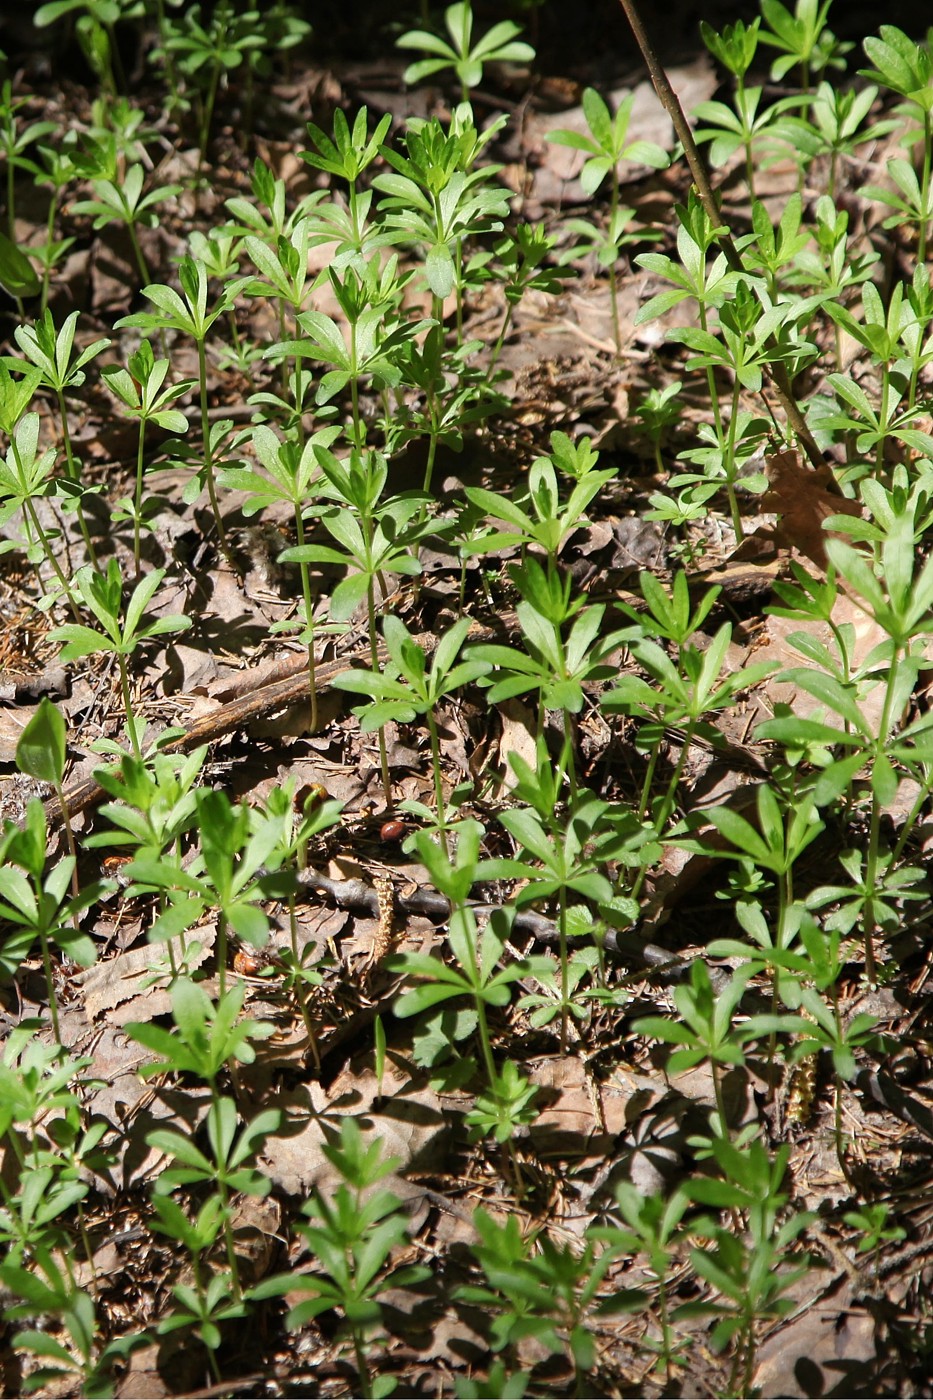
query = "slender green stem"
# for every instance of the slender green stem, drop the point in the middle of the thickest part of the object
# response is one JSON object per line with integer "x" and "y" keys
{"x": 741, "y": 104}
{"x": 564, "y": 969}
{"x": 138, "y": 504}
{"x": 207, "y": 112}
{"x": 71, "y": 471}
{"x": 729, "y": 463}
{"x": 374, "y": 662}
{"x": 31, "y": 515}
{"x": 872, "y": 859}
{"x": 70, "y": 839}
{"x": 299, "y": 986}
{"x": 438, "y": 782}
{"x": 222, "y": 952}
{"x": 309, "y": 620}
{"x": 720, "y": 1097}
{"x": 131, "y": 728}
{"x": 208, "y": 454}
{"x": 711, "y": 381}
{"x": 613, "y": 287}
{"x": 49, "y": 239}
{"x": 669, "y": 800}
{"x": 882, "y": 418}
{"x": 362, "y": 1368}
{"x": 11, "y": 194}
{"x": 138, "y": 253}
{"x": 224, "y": 1195}
{"x": 50, "y": 984}
{"x": 924, "y": 231}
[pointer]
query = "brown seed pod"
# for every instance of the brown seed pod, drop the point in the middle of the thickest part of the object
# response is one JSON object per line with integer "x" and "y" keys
{"x": 392, "y": 832}
{"x": 247, "y": 964}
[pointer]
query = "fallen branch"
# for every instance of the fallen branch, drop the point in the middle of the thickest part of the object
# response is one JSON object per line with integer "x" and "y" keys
{"x": 288, "y": 686}
{"x": 358, "y": 897}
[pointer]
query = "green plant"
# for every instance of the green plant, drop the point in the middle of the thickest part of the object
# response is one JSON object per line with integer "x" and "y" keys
{"x": 906, "y": 67}
{"x": 40, "y": 754}
{"x": 142, "y": 390}
{"x": 204, "y": 53}
{"x": 752, "y": 336}
{"x": 351, "y": 1236}
{"x": 659, "y": 410}
{"x": 346, "y": 156}
{"x": 226, "y": 1168}
{"x": 554, "y": 665}
{"x": 239, "y": 857}
{"x": 61, "y": 366}
{"x": 498, "y": 45}
{"x": 436, "y": 196}
{"x": 358, "y": 312}
{"x": 573, "y": 851}
{"x": 26, "y": 476}
{"x": 288, "y": 476}
{"x": 802, "y": 38}
{"x": 680, "y": 693}
{"x": 52, "y": 1291}
{"x": 754, "y": 1274}
{"x": 478, "y": 975}
{"x": 705, "y": 1030}
{"x": 536, "y": 1288}
{"x": 407, "y": 687}
{"x": 153, "y": 802}
{"x": 833, "y": 127}
{"x": 202, "y": 1308}
{"x": 378, "y": 335}
{"x": 741, "y": 127}
{"x": 95, "y": 28}
{"x": 125, "y": 203}
{"x": 188, "y": 313}
{"x": 606, "y": 149}
{"x": 653, "y": 1229}
{"x": 35, "y": 901}
{"x": 15, "y": 141}
{"x": 123, "y": 627}
{"x": 898, "y": 597}
{"x": 373, "y": 537}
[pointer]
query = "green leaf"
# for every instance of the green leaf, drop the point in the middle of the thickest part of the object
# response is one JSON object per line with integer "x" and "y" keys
{"x": 40, "y": 752}
{"x": 16, "y": 271}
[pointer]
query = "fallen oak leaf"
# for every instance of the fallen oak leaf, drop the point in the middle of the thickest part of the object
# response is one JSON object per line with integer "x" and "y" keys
{"x": 803, "y": 497}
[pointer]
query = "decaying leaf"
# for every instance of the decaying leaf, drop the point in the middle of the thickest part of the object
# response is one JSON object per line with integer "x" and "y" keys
{"x": 135, "y": 976}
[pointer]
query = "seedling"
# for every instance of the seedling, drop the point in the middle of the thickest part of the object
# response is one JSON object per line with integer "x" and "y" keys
{"x": 409, "y": 687}
{"x": 62, "y": 368}
{"x": 35, "y": 900}
{"x": 606, "y": 149}
{"x": 498, "y": 45}
{"x": 127, "y": 204}
{"x": 188, "y": 313}
{"x": 142, "y": 390}
{"x": 351, "y": 1237}
{"x": 123, "y": 628}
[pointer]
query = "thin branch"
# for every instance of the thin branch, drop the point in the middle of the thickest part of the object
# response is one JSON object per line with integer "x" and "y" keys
{"x": 698, "y": 169}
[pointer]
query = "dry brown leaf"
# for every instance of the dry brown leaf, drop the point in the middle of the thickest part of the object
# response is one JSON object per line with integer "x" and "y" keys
{"x": 824, "y": 1350}
{"x": 117, "y": 980}
{"x": 868, "y": 634}
{"x": 408, "y": 1119}
{"x": 518, "y": 724}
{"x": 803, "y": 499}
